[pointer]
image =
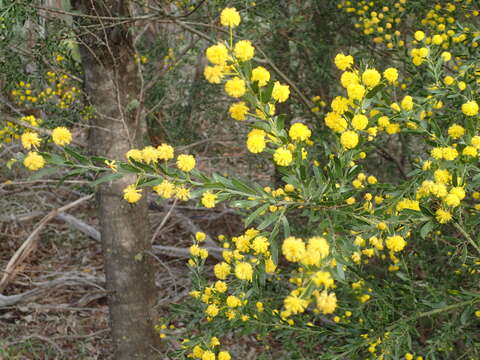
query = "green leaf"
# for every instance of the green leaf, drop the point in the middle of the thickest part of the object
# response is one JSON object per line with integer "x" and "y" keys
{"x": 374, "y": 91}
{"x": 82, "y": 159}
{"x": 269, "y": 220}
{"x": 106, "y": 178}
{"x": 129, "y": 168}
{"x": 150, "y": 182}
{"x": 43, "y": 172}
{"x": 426, "y": 229}
{"x": 255, "y": 214}
{"x": 266, "y": 94}
{"x": 286, "y": 225}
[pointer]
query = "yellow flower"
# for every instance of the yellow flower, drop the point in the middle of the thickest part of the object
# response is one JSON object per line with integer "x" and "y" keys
{"x": 238, "y": 111}
{"x": 209, "y": 199}
{"x": 280, "y": 92}
{"x": 165, "y": 152}
{"x": 186, "y": 162}
{"x": 391, "y": 75}
{"x": 224, "y": 355}
{"x": 221, "y": 270}
{"x": 214, "y": 74}
{"x": 270, "y": 266}
{"x": 452, "y": 200}
{"x": 371, "y": 77}
{"x": 261, "y": 75}
{"x": 132, "y": 194}
{"x": 335, "y": 122}
{"x": 30, "y": 139}
{"x": 235, "y": 87}
{"x": 355, "y": 91}
{"x": 256, "y": 142}
{"x": 419, "y": 35}
{"x": 244, "y": 50}
{"x": 349, "y": 77}
{"x": 149, "y": 154}
{"x": 182, "y": 193}
{"x": 244, "y": 271}
{"x": 407, "y": 103}
{"x": 359, "y": 122}
{"x": 293, "y": 249}
{"x": 343, "y": 62}
{"x": 230, "y": 17}
{"x": 165, "y": 189}
{"x": 326, "y": 303}
{"x": 448, "y": 80}
{"x": 316, "y": 250}
{"x": 233, "y": 301}
{"x": 61, "y": 136}
{"x": 340, "y": 105}
{"x": 34, "y": 161}
{"x": 395, "y": 243}
{"x": 322, "y": 278}
{"x": 294, "y": 304}
{"x": 217, "y": 54}
{"x": 443, "y": 216}
{"x": 349, "y": 139}
{"x": 456, "y": 131}
{"x": 135, "y": 154}
{"x": 470, "y": 151}
{"x": 212, "y": 311}
{"x": 282, "y": 156}
{"x": 299, "y": 131}
{"x": 470, "y": 108}
{"x": 437, "y": 39}
{"x": 446, "y": 56}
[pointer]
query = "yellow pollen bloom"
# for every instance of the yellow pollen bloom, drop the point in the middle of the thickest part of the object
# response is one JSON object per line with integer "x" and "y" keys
{"x": 299, "y": 131}
{"x": 371, "y": 77}
{"x": 470, "y": 108}
{"x": 186, "y": 162}
{"x": 235, "y": 87}
{"x": 132, "y": 194}
{"x": 349, "y": 139}
{"x": 391, "y": 75}
{"x": 209, "y": 199}
{"x": 282, "y": 156}
{"x": 261, "y": 75}
{"x": 244, "y": 50}
{"x": 34, "y": 161}
{"x": 244, "y": 271}
{"x": 61, "y": 136}
{"x": 238, "y": 111}
{"x": 30, "y": 139}
{"x": 230, "y": 17}
{"x": 217, "y": 54}
{"x": 280, "y": 92}
{"x": 343, "y": 62}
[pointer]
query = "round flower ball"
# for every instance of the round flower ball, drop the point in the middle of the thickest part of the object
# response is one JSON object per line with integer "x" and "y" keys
{"x": 470, "y": 108}
{"x": 283, "y": 156}
{"x": 230, "y": 17}
{"x": 299, "y": 132}
{"x": 34, "y": 161}
{"x": 61, "y": 136}
{"x": 349, "y": 139}
{"x": 186, "y": 162}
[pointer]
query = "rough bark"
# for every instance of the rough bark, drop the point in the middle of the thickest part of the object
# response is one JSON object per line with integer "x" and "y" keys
{"x": 112, "y": 86}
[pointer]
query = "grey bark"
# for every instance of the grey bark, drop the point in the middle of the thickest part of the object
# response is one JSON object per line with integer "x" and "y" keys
{"x": 111, "y": 84}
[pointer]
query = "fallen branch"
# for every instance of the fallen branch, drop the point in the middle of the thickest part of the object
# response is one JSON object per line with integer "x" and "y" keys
{"x": 27, "y": 247}
{"x": 69, "y": 279}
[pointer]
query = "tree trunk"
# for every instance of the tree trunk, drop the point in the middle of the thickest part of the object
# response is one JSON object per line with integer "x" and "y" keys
{"x": 112, "y": 86}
